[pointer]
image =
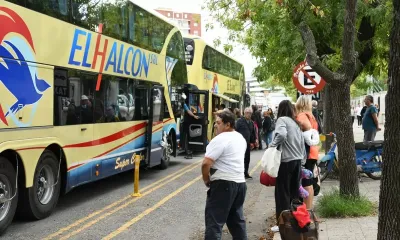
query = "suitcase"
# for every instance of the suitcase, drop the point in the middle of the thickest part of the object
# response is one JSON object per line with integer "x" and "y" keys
{"x": 289, "y": 230}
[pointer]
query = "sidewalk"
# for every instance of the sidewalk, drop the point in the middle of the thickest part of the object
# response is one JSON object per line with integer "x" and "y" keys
{"x": 351, "y": 228}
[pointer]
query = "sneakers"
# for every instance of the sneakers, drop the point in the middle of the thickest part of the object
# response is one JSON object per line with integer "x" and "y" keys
{"x": 247, "y": 176}
{"x": 275, "y": 229}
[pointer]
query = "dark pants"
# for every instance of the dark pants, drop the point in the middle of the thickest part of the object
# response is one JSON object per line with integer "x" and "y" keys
{"x": 287, "y": 185}
{"x": 359, "y": 119}
{"x": 259, "y": 140}
{"x": 225, "y": 205}
{"x": 247, "y": 159}
{"x": 186, "y": 140}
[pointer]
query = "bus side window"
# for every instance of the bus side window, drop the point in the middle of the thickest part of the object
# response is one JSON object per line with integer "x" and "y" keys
{"x": 158, "y": 108}
{"x": 86, "y": 98}
{"x": 176, "y": 103}
{"x": 116, "y": 100}
{"x": 63, "y": 104}
{"x": 54, "y": 8}
{"x": 81, "y": 15}
{"x": 141, "y": 101}
{"x": 166, "y": 111}
{"x": 73, "y": 97}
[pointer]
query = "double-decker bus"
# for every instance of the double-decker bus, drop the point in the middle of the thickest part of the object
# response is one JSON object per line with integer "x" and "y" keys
{"x": 84, "y": 89}
{"x": 216, "y": 79}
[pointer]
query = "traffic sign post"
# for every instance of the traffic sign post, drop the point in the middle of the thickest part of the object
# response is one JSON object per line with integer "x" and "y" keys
{"x": 315, "y": 96}
{"x": 306, "y": 80}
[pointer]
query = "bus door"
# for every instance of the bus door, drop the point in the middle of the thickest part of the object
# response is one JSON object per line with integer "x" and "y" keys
{"x": 155, "y": 126}
{"x": 196, "y": 129}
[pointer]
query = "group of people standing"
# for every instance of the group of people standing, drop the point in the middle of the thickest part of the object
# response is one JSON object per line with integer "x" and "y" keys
{"x": 223, "y": 165}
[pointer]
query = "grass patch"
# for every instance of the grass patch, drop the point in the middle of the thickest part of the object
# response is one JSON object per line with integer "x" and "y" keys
{"x": 332, "y": 205}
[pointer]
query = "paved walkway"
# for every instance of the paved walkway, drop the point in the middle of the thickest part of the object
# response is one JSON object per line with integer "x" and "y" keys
{"x": 351, "y": 228}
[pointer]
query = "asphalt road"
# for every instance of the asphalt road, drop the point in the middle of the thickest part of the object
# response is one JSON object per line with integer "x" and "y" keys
{"x": 171, "y": 207}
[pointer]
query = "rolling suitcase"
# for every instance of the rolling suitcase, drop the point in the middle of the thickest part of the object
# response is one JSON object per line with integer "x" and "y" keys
{"x": 289, "y": 226}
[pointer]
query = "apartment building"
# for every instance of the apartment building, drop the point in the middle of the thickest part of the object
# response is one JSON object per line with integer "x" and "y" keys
{"x": 189, "y": 23}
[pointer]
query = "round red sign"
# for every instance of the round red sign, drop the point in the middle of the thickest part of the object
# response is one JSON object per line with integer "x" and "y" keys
{"x": 306, "y": 80}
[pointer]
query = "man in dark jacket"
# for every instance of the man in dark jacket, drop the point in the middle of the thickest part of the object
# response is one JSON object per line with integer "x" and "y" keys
{"x": 316, "y": 115}
{"x": 245, "y": 126}
{"x": 256, "y": 117}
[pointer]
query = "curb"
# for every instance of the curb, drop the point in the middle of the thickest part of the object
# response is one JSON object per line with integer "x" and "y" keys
{"x": 277, "y": 236}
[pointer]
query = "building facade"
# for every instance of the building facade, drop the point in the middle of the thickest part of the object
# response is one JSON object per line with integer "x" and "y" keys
{"x": 188, "y": 23}
{"x": 263, "y": 97}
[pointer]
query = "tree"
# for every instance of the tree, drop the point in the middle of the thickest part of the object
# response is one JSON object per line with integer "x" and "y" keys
{"x": 339, "y": 84}
{"x": 280, "y": 34}
{"x": 389, "y": 198}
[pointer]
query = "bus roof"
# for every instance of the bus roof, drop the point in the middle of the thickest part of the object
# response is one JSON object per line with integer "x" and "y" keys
{"x": 157, "y": 14}
{"x": 194, "y": 37}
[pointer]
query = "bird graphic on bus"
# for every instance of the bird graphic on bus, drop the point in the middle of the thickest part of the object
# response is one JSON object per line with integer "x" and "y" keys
{"x": 18, "y": 77}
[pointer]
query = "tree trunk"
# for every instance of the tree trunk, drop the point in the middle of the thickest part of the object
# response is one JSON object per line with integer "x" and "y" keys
{"x": 327, "y": 117}
{"x": 340, "y": 99}
{"x": 389, "y": 211}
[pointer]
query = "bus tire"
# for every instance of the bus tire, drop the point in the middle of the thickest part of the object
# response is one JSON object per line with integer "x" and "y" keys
{"x": 166, "y": 154}
{"x": 7, "y": 187}
{"x": 41, "y": 199}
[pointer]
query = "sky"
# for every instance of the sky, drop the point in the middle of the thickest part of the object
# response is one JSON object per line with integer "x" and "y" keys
{"x": 195, "y": 6}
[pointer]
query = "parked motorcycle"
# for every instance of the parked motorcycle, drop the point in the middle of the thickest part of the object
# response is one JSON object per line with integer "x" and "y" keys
{"x": 368, "y": 159}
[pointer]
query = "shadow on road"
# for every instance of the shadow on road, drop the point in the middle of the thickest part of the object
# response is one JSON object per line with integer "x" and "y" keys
{"x": 102, "y": 188}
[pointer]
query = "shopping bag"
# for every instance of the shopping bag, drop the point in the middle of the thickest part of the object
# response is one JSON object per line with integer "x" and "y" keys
{"x": 271, "y": 160}
{"x": 266, "y": 179}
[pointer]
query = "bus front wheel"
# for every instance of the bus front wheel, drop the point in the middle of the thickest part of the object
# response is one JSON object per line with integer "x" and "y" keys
{"x": 40, "y": 200}
{"x": 8, "y": 205}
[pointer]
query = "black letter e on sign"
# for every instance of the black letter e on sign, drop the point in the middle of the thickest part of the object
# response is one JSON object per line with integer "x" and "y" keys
{"x": 306, "y": 81}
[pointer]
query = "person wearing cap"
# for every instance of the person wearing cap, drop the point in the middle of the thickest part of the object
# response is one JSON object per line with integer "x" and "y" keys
{"x": 188, "y": 113}
{"x": 85, "y": 111}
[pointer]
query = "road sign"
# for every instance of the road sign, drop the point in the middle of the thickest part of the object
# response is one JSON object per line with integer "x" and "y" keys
{"x": 306, "y": 80}
{"x": 315, "y": 96}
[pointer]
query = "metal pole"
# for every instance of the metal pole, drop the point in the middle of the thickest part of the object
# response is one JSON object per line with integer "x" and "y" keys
{"x": 136, "y": 192}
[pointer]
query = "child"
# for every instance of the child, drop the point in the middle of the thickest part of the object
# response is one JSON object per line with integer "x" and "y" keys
{"x": 305, "y": 174}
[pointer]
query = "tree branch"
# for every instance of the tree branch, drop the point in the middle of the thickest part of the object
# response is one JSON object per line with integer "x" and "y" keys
{"x": 349, "y": 34}
{"x": 312, "y": 57}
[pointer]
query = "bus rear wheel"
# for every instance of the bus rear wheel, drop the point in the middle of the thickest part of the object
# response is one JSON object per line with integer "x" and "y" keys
{"x": 40, "y": 200}
{"x": 7, "y": 191}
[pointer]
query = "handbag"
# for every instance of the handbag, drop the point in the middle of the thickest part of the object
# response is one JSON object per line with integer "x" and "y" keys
{"x": 266, "y": 179}
{"x": 271, "y": 161}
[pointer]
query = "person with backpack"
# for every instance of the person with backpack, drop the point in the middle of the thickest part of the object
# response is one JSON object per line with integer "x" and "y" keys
{"x": 307, "y": 121}
{"x": 268, "y": 126}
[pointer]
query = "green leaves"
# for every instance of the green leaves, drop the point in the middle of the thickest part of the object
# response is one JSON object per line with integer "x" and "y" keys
{"x": 267, "y": 28}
